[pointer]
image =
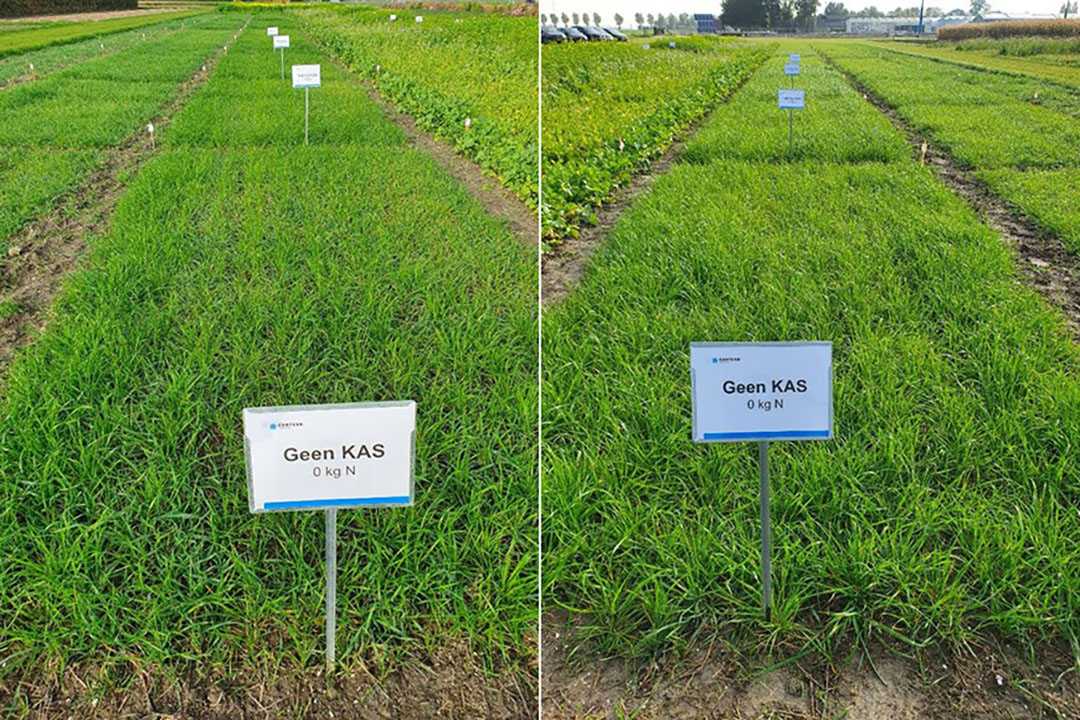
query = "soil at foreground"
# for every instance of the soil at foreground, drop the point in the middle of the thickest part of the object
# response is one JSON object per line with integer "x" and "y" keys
{"x": 450, "y": 683}
{"x": 991, "y": 681}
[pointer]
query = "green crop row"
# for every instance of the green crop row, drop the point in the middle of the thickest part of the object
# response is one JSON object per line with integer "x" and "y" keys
{"x": 56, "y": 128}
{"x": 264, "y": 276}
{"x": 610, "y": 109}
{"x": 49, "y": 59}
{"x": 40, "y": 36}
{"x": 944, "y": 508}
{"x": 990, "y": 122}
{"x": 452, "y": 67}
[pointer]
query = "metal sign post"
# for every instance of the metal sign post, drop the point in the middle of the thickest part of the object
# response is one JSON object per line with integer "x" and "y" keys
{"x": 330, "y": 457}
{"x": 762, "y": 391}
{"x": 791, "y": 100}
{"x": 280, "y": 43}
{"x": 307, "y": 77}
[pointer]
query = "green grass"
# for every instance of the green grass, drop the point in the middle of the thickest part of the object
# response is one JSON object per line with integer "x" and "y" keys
{"x": 944, "y": 508}
{"x": 1046, "y": 196}
{"x": 451, "y": 67}
{"x": 864, "y": 136}
{"x": 234, "y": 277}
{"x": 46, "y": 35}
{"x": 50, "y": 59}
{"x": 596, "y": 96}
{"x": 1047, "y": 59}
{"x": 32, "y": 180}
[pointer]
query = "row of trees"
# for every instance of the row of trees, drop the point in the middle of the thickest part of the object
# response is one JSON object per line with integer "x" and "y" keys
{"x": 658, "y": 22}
{"x": 837, "y": 8}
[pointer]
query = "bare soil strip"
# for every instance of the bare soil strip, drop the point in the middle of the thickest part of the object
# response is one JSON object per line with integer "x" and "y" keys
{"x": 449, "y": 684}
{"x": 1041, "y": 258}
{"x": 41, "y": 255}
{"x": 564, "y": 264}
{"x": 495, "y": 198}
{"x": 995, "y": 680}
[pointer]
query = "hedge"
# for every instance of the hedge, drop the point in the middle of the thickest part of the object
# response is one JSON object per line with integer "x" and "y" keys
{"x": 22, "y": 8}
{"x": 1011, "y": 28}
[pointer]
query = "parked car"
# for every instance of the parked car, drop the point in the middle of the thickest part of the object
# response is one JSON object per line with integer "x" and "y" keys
{"x": 574, "y": 34}
{"x": 550, "y": 33}
{"x": 614, "y": 32}
{"x": 592, "y": 33}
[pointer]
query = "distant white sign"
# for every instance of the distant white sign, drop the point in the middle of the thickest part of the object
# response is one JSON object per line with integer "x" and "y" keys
{"x": 671, "y": 44}
{"x": 645, "y": 46}
{"x": 794, "y": 57}
{"x": 271, "y": 31}
{"x": 317, "y": 457}
{"x": 281, "y": 41}
{"x": 791, "y": 100}
{"x": 393, "y": 17}
{"x": 761, "y": 391}
{"x": 306, "y": 76}
{"x": 791, "y": 69}
{"x": 419, "y": 18}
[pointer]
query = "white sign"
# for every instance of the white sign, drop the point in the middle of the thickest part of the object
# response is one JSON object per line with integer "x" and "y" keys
{"x": 671, "y": 44}
{"x": 794, "y": 57}
{"x": 791, "y": 100}
{"x": 761, "y": 391}
{"x": 645, "y": 46}
{"x": 393, "y": 17}
{"x": 419, "y": 18}
{"x": 271, "y": 31}
{"x": 316, "y": 457}
{"x": 281, "y": 41}
{"x": 791, "y": 69}
{"x": 306, "y": 76}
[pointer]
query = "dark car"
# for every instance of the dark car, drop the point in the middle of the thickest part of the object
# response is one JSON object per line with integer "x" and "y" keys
{"x": 614, "y": 32}
{"x": 550, "y": 34}
{"x": 573, "y": 34}
{"x": 592, "y": 33}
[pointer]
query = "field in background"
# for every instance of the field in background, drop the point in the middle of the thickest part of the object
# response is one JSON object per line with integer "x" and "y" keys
{"x": 45, "y": 35}
{"x": 352, "y": 269}
{"x": 1021, "y": 134}
{"x": 945, "y": 508}
{"x": 610, "y": 109}
{"x": 449, "y": 69}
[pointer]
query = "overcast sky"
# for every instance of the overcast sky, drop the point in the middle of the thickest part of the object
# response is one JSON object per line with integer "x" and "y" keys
{"x": 627, "y": 8}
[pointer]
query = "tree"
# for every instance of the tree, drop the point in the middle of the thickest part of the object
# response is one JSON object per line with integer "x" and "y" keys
{"x": 585, "y": 19}
{"x": 543, "y": 18}
{"x": 978, "y": 7}
{"x": 806, "y": 13}
{"x": 743, "y": 13}
{"x": 659, "y": 24}
{"x": 596, "y": 19}
{"x": 671, "y": 22}
{"x": 1068, "y": 7}
{"x": 565, "y": 19}
{"x": 836, "y": 8}
{"x": 933, "y": 12}
{"x": 639, "y": 19}
{"x": 576, "y": 17}
{"x": 618, "y": 21}
{"x": 958, "y": 12}
{"x": 649, "y": 18}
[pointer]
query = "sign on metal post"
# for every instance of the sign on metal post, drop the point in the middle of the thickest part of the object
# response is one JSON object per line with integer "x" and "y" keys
{"x": 791, "y": 100}
{"x": 280, "y": 43}
{"x": 762, "y": 391}
{"x": 794, "y": 57}
{"x": 791, "y": 69}
{"x": 330, "y": 457}
{"x": 307, "y": 77}
{"x": 271, "y": 31}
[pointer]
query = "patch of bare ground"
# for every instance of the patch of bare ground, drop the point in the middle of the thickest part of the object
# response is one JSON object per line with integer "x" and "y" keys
{"x": 496, "y": 199}
{"x": 1041, "y": 258}
{"x": 448, "y": 684}
{"x": 42, "y": 254}
{"x": 564, "y": 264}
{"x": 993, "y": 680}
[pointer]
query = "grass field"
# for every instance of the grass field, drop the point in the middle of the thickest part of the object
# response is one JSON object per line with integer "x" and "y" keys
{"x": 989, "y": 122}
{"x": 47, "y": 35}
{"x": 49, "y": 149}
{"x": 610, "y": 109}
{"x": 945, "y": 507}
{"x": 449, "y": 68}
{"x": 245, "y": 269}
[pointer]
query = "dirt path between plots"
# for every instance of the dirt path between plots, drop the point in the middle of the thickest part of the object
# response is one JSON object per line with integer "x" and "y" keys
{"x": 40, "y": 255}
{"x": 1041, "y": 258}
{"x": 101, "y": 15}
{"x": 448, "y": 684}
{"x": 496, "y": 199}
{"x": 995, "y": 680}
{"x": 563, "y": 266}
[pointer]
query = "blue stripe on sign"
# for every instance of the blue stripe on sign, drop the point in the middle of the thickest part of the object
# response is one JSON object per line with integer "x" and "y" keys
{"x": 336, "y": 502}
{"x": 765, "y": 434}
